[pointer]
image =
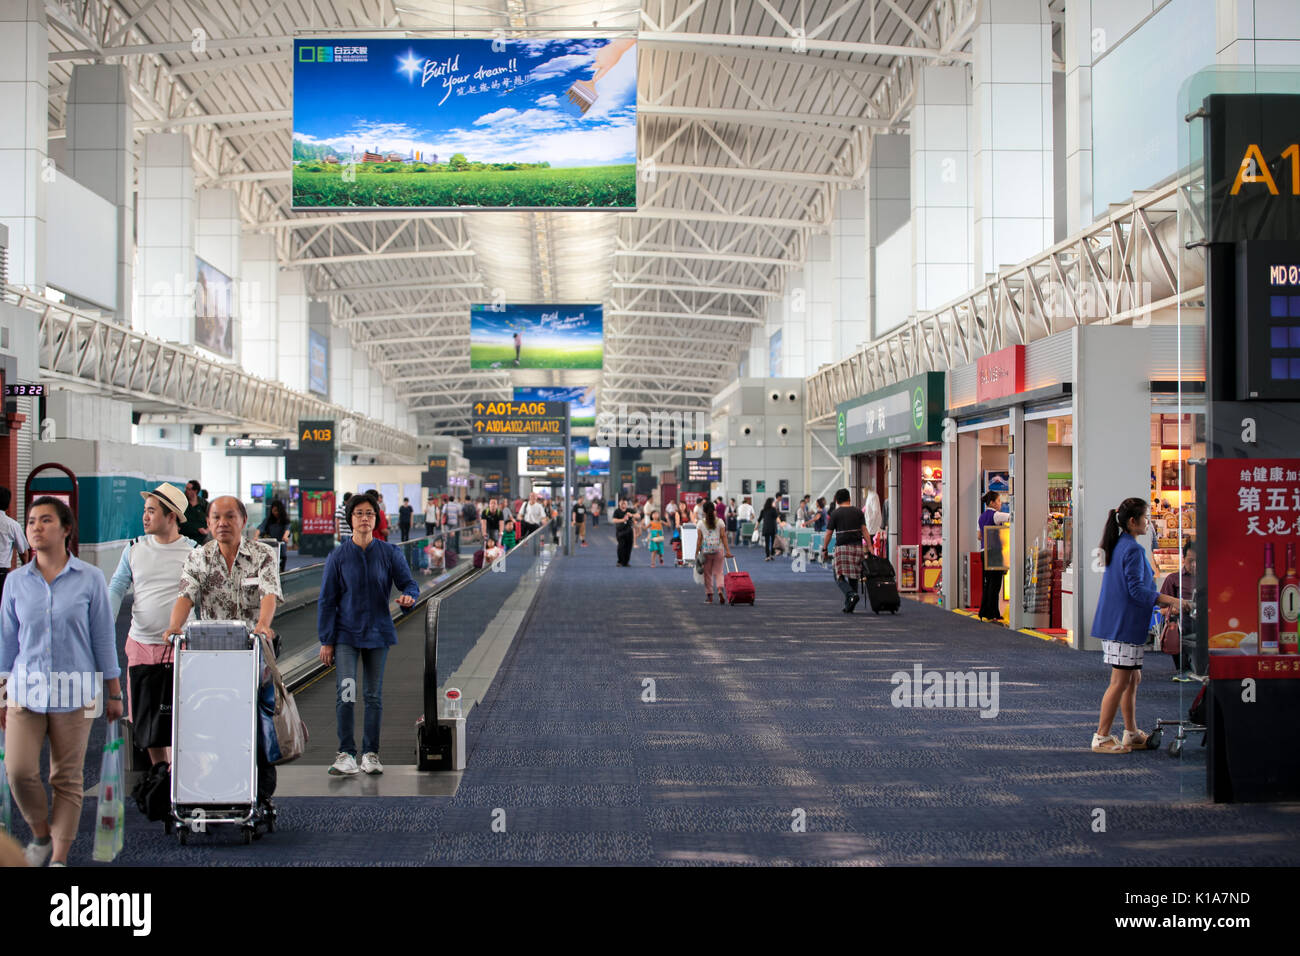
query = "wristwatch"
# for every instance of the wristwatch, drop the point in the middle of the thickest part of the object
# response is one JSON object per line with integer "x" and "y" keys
{"x": 115, "y": 697}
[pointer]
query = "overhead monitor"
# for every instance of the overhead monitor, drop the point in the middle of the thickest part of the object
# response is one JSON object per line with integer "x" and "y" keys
{"x": 581, "y": 399}
{"x": 420, "y": 123}
{"x": 536, "y": 336}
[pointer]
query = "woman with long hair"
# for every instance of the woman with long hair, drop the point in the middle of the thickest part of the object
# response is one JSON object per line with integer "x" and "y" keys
{"x": 767, "y": 522}
{"x": 991, "y": 601}
{"x": 38, "y": 649}
{"x": 276, "y": 528}
{"x": 712, "y": 542}
{"x": 1128, "y": 594}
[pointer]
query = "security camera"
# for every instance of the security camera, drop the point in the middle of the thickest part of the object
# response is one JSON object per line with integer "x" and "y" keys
{"x": 746, "y": 430}
{"x": 776, "y": 396}
{"x": 793, "y": 396}
{"x": 785, "y": 429}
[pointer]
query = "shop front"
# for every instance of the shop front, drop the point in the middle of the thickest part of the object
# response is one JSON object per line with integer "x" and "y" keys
{"x": 892, "y": 438}
{"x": 1063, "y": 430}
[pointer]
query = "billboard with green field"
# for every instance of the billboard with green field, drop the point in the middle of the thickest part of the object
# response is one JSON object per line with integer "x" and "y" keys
{"x": 421, "y": 123}
{"x": 536, "y": 336}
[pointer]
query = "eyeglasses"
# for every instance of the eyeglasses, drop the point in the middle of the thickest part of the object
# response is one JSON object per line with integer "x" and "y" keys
{"x": 363, "y": 514}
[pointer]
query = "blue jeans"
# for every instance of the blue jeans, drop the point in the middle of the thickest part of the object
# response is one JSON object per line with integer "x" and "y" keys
{"x": 372, "y": 660}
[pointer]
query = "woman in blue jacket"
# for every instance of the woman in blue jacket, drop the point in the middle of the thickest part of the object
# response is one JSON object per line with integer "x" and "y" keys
{"x": 355, "y": 626}
{"x": 1128, "y": 594}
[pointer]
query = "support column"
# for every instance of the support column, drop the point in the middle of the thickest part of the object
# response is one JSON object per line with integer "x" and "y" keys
{"x": 291, "y": 324}
{"x": 851, "y": 327}
{"x": 819, "y": 277}
{"x": 216, "y": 242}
{"x": 794, "y": 317}
{"x": 1012, "y": 133}
{"x": 340, "y": 361}
{"x": 165, "y": 239}
{"x": 24, "y": 105}
{"x": 888, "y": 207}
{"x": 1078, "y": 116}
{"x": 101, "y": 156}
{"x": 259, "y": 270}
{"x": 1019, "y": 523}
{"x": 360, "y": 382}
{"x": 1031, "y": 506}
{"x": 942, "y": 240}
{"x": 1249, "y": 32}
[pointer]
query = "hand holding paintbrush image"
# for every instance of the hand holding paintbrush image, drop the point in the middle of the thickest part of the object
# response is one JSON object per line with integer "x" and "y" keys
{"x": 583, "y": 94}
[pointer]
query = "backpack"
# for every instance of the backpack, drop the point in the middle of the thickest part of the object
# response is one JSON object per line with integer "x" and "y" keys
{"x": 468, "y": 515}
{"x": 152, "y": 792}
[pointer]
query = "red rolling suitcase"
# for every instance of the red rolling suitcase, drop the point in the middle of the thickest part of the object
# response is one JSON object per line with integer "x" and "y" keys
{"x": 737, "y": 585}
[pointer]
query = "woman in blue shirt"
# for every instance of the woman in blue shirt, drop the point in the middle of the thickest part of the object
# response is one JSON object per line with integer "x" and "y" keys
{"x": 1128, "y": 594}
{"x": 355, "y": 626}
{"x": 58, "y": 651}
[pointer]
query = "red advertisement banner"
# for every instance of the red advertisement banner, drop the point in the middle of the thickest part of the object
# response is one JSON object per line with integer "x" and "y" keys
{"x": 318, "y": 512}
{"x": 1000, "y": 373}
{"x": 1253, "y": 509}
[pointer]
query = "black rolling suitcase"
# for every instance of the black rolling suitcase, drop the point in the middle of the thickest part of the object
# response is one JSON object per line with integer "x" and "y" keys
{"x": 881, "y": 585}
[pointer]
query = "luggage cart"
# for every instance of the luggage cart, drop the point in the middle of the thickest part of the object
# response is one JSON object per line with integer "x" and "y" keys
{"x": 1185, "y": 726}
{"x": 217, "y": 673}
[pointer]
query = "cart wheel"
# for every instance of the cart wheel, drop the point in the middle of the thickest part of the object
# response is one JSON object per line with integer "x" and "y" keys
{"x": 1154, "y": 738}
{"x": 270, "y": 823}
{"x": 248, "y": 836}
{"x": 183, "y": 832}
{"x": 169, "y": 827}
{"x": 1175, "y": 748}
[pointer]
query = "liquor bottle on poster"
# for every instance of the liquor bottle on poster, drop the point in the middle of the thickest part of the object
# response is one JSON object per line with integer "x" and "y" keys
{"x": 1268, "y": 604}
{"x": 1290, "y": 604}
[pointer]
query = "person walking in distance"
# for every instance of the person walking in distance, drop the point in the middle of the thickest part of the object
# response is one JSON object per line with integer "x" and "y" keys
{"x": 381, "y": 523}
{"x": 1128, "y": 595}
{"x": 744, "y": 515}
{"x": 431, "y": 516}
{"x": 712, "y": 542}
{"x": 231, "y": 579}
{"x": 341, "y": 517}
{"x": 38, "y": 652}
{"x": 275, "y": 531}
{"x": 490, "y": 521}
{"x": 355, "y": 627}
{"x": 12, "y": 540}
{"x": 534, "y": 515}
{"x": 846, "y": 526}
{"x": 991, "y": 601}
{"x": 151, "y": 567}
{"x": 656, "y": 543}
{"x": 767, "y": 522}
{"x": 579, "y": 519}
{"x": 195, "y": 525}
{"x": 404, "y": 515}
{"x": 624, "y": 519}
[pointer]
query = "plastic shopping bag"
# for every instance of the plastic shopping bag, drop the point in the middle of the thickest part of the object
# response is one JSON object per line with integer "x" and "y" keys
{"x": 110, "y": 812}
{"x": 6, "y": 799}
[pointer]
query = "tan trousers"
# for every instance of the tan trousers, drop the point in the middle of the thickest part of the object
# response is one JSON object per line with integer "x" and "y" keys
{"x": 69, "y": 734}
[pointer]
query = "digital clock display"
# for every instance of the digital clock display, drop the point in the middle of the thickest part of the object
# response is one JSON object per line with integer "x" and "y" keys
{"x": 13, "y": 391}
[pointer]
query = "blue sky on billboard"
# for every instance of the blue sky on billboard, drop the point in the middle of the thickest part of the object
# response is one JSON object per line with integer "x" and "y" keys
{"x": 550, "y": 336}
{"x": 582, "y": 399}
{"x": 439, "y": 97}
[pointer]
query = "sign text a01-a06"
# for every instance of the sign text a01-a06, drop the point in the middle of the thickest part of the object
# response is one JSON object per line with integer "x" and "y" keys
{"x": 540, "y": 424}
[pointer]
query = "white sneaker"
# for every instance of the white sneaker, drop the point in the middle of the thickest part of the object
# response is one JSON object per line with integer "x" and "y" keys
{"x": 37, "y": 854}
{"x": 370, "y": 763}
{"x": 344, "y": 764}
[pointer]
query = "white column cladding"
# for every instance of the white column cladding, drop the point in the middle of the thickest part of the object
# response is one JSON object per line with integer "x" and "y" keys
{"x": 360, "y": 382}
{"x": 794, "y": 318}
{"x": 1078, "y": 116}
{"x": 24, "y": 105}
{"x": 942, "y": 218}
{"x": 217, "y": 242}
{"x": 1012, "y": 134}
{"x": 165, "y": 238}
{"x": 376, "y": 393}
{"x": 291, "y": 326}
{"x": 390, "y": 407}
{"x": 888, "y": 205}
{"x": 259, "y": 271}
{"x": 101, "y": 156}
{"x": 849, "y": 282}
{"x": 340, "y": 367}
{"x": 819, "y": 273}
{"x": 1263, "y": 32}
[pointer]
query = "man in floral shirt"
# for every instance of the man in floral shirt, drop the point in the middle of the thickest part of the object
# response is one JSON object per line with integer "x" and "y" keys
{"x": 231, "y": 579}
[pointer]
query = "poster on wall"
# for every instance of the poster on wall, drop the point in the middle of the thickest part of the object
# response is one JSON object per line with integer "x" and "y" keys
{"x": 318, "y": 512}
{"x": 908, "y": 562}
{"x": 421, "y": 122}
{"x": 213, "y": 310}
{"x": 1253, "y": 509}
{"x": 581, "y": 399}
{"x": 318, "y": 363}
{"x": 536, "y": 336}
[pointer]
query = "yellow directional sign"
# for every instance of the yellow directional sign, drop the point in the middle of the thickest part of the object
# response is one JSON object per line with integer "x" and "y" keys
{"x": 518, "y": 423}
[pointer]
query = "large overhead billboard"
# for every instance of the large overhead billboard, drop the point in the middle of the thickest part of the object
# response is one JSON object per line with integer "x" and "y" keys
{"x": 450, "y": 123}
{"x": 581, "y": 399}
{"x": 214, "y": 310}
{"x": 536, "y": 336}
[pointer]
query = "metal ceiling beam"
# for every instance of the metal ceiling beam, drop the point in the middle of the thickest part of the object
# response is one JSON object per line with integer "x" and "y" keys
{"x": 778, "y": 119}
{"x": 724, "y": 40}
{"x": 684, "y": 287}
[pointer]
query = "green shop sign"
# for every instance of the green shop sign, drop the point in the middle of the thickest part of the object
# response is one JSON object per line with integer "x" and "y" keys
{"x": 908, "y": 413}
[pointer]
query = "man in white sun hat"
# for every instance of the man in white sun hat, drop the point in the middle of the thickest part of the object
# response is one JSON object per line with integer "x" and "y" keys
{"x": 151, "y": 567}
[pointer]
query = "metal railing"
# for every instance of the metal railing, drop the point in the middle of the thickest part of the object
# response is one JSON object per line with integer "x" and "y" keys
{"x": 85, "y": 349}
{"x": 1127, "y": 267}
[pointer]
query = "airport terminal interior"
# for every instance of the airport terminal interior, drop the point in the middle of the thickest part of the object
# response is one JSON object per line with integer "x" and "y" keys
{"x": 927, "y": 367}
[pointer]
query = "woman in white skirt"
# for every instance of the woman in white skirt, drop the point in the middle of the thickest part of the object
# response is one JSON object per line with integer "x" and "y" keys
{"x": 1128, "y": 594}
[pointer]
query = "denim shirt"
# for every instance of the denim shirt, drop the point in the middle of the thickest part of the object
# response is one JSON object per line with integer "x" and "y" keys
{"x": 353, "y": 606}
{"x": 57, "y": 641}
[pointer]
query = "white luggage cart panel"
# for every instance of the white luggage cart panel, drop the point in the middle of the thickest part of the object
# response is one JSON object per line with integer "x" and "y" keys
{"x": 215, "y": 760}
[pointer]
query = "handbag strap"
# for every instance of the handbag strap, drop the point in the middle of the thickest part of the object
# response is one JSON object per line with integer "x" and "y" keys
{"x": 268, "y": 655}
